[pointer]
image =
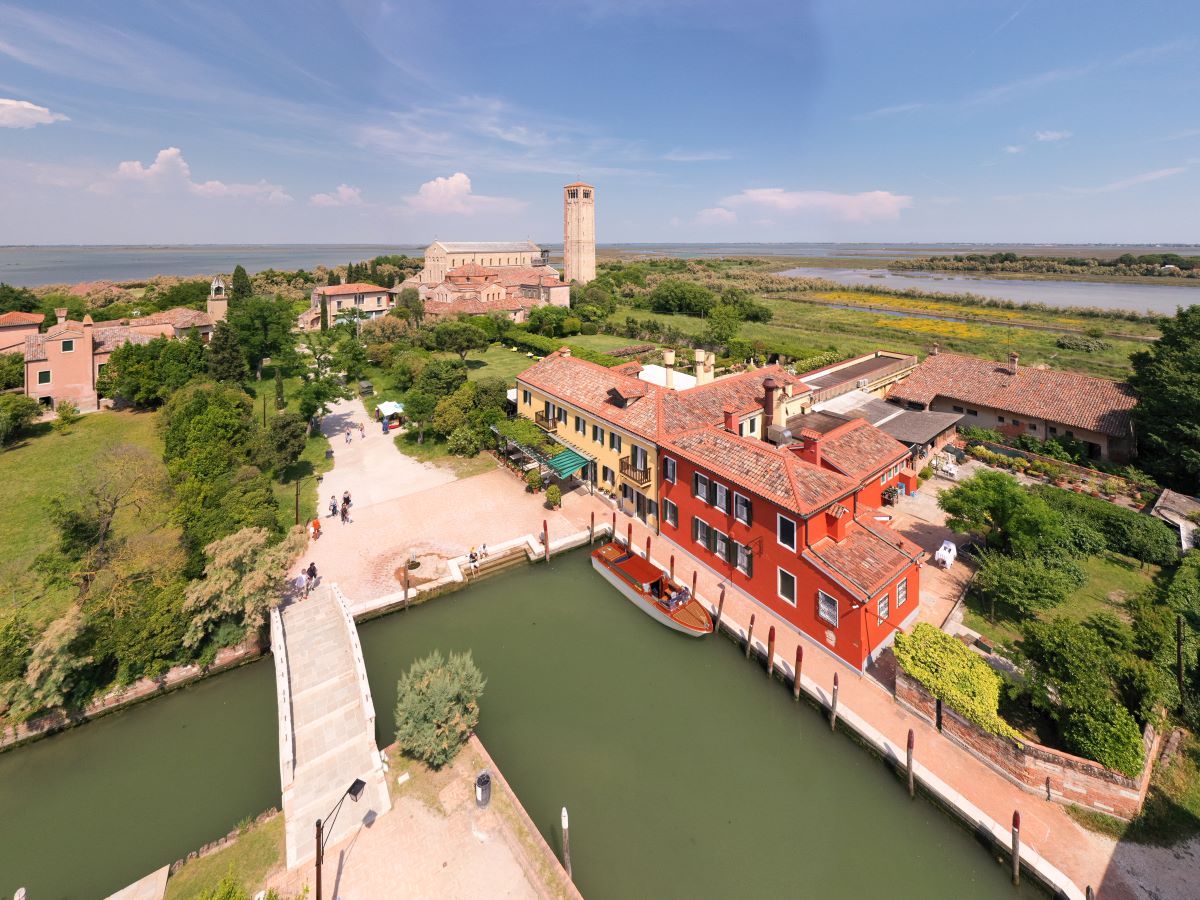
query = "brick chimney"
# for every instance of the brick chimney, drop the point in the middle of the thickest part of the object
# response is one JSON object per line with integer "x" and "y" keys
{"x": 1013, "y": 359}
{"x": 669, "y": 365}
{"x": 936, "y": 349}
{"x": 60, "y": 313}
{"x": 731, "y": 419}
{"x": 837, "y": 518}
{"x": 769, "y": 388}
{"x": 810, "y": 450}
{"x": 564, "y": 351}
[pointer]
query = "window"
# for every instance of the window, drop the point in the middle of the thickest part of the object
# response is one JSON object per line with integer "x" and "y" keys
{"x": 972, "y": 412}
{"x": 668, "y": 469}
{"x": 700, "y": 531}
{"x": 44, "y": 377}
{"x": 721, "y": 545}
{"x": 670, "y": 513}
{"x": 587, "y": 195}
{"x": 720, "y": 496}
{"x": 745, "y": 560}
{"x": 787, "y": 587}
{"x": 527, "y": 397}
{"x": 598, "y": 434}
{"x": 607, "y": 475}
{"x": 700, "y": 486}
{"x": 957, "y": 408}
{"x": 827, "y": 608}
{"x": 901, "y": 592}
{"x": 743, "y": 510}
{"x": 785, "y": 531}
{"x": 1070, "y": 434}
{"x": 1032, "y": 426}
{"x": 614, "y": 441}
{"x": 1053, "y": 430}
{"x": 68, "y": 346}
{"x": 562, "y": 415}
{"x": 1017, "y": 422}
{"x": 580, "y": 425}
{"x": 999, "y": 418}
{"x": 883, "y": 609}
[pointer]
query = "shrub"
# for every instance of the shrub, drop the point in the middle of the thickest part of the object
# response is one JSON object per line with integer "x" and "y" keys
{"x": 463, "y": 441}
{"x": 534, "y": 480}
{"x": 16, "y": 413}
{"x": 925, "y": 474}
{"x": 554, "y": 495}
{"x": 536, "y": 343}
{"x": 68, "y": 415}
{"x": 954, "y": 675}
{"x": 1125, "y": 531}
{"x": 1081, "y": 342}
{"x": 1025, "y": 585}
{"x": 438, "y": 706}
{"x": 589, "y": 328}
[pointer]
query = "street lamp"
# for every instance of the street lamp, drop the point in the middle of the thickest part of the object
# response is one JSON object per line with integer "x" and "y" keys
{"x": 300, "y": 481}
{"x": 353, "y": 792}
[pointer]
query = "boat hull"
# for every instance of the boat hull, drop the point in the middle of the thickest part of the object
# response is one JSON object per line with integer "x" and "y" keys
{"x": 651, "y": 609}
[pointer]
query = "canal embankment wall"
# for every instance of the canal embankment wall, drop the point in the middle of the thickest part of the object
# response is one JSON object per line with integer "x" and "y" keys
{"x": 1051, "y": 774}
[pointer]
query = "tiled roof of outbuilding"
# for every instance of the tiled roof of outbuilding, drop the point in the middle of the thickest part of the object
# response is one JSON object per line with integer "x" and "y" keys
{"x": 859, "y": 449}
{"x": 867, "y": 559}
{"x": 177, "y": 317}
{"x": 1081, "y": 401}
{"x": 20, "y": 318}
{"x": 357, "y": 287}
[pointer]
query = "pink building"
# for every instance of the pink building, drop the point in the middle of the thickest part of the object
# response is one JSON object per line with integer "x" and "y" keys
{"x": 15, "y": 327}
{"x": 370, "y": 300}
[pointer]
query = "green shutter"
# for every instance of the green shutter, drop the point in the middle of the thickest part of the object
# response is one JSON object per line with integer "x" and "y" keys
{"x": 749, "y": 512}
{"x": 712, "y": 493}
{"x": 749, "y": 563}
{"x": 695, "y": 529}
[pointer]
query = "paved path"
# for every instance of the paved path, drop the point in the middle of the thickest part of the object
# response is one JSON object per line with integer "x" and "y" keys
{"x": 331, "y": 724}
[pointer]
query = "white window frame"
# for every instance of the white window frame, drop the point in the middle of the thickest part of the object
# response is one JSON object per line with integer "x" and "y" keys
{"x": 670, "y": 470}
{"x": 779, "y": 520}
{"x": 48, "y": 375}
{"x": 598, "y": 435}
{"x": 614, "y": 441}
{"x": 527, "y": 397}
{"x": 883, "y": 608}
{"x": 670, "y": 513}
{"x": 901, "y": 591}
{"x": 720, "y": 538}
{"x": 721, "y": 495}
{"x": 779, "y": 573}
{"x": 821, "y": 597}
{"x": 702, "y": 531}
{"x": 68, "y": 345}
{"x": 749, "y": 503}
{"x": 740, "y": 550}
{"x": 607, "y": 476}
{"x": 581, "y": 425}
{"x": 700, "y": 476}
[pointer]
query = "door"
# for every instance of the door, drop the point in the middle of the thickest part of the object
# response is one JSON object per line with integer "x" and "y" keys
{"x": 639, "y": 505}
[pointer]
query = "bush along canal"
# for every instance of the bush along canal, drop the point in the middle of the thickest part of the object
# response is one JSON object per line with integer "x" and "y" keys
{"x": 686, "y": 773}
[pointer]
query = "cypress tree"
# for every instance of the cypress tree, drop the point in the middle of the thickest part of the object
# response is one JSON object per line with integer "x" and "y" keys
{"x": 240, "y": 288}
{"x": 226, "y": 361}
{"x": 280, "y": 399}
{"x": 324, "y": 313}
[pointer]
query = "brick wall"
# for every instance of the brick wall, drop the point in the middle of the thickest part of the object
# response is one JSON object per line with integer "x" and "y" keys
{"x": 1053, "y": 774}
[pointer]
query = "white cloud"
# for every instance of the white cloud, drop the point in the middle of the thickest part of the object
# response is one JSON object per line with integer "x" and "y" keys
{"x": 868, "y": 206}
{"x": 1133, "y": 181}
{"x": 23, "y": 114}
{"x": 343, "y": 196}
{"x": 171, "y": 172}
{"x": 716, "y": 215}
{"x": 453, "y": 195}
{"x": 895, "y": 110}
{"x": 1014, "y": 148}
{"x": 1051, "y": 135}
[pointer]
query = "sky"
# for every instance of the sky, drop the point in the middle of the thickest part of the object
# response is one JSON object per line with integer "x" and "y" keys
{"x": 697, "y": 120}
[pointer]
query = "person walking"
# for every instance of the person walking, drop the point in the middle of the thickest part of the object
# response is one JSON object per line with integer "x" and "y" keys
{"x": 311, "y": 572}
{"x": 347, "y": 434}
{"x": 362, "y": 430}
{"x": 345, "y": 512}
{"x": 333, "y": 506}
{"x": 346, "y": 501}
{"x": 316, "y": 528}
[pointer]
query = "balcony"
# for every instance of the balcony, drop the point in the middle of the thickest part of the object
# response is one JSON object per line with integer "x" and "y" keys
{"x": 640, "y": 477}
{"x": 549, "y": 423}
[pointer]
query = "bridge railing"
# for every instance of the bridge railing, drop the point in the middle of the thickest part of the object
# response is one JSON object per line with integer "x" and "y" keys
{"x": 283, "y": 687}
{"x": 360, "y": 667}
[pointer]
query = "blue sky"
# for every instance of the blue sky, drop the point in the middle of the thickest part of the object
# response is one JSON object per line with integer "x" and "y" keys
{"x": 399, "y": 122}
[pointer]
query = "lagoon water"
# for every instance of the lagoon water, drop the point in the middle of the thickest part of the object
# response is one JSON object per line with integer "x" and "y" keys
{"x": 686, "y": 772}
{"x": 1156, "y": 298}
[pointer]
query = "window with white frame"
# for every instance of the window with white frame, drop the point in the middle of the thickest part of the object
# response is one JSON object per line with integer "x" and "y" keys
{"x": 614, "y": 441}
{"x": 700, "y": 531}
{"x": 785, "y": 532}
{"x": 527, "y": 397}
{"x": 598, "y": 434}
{"x": 562, "y": 415}
{"x": 901, "y": 591}
{"x": 700, "y": 486}
{"x": 720, "y": 496}
{"x": 607, "y": 475}
{"x": 670, "y": 513}
{"x": 668, "y": 469}
{"x": 721, "y": 545}
{"x": 68, "y": 346}
{"x": 44, "y": 377}
{"x": 745, "y": 560}
{"x": 787, "y": 587}
{"x": 743, "y": 510}
{"x": 883, "y": 609}
{"x": 827, "y": 608}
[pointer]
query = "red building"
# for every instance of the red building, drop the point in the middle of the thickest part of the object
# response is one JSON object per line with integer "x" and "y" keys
{"x": 795, "y": 527}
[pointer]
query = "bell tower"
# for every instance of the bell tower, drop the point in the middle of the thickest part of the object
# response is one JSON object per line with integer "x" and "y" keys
{"x": 218, "y": 300}
{"x": 579, "y": 232}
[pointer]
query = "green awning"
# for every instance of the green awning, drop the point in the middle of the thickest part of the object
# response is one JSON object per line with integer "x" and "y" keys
{"x": 567, "y": 463}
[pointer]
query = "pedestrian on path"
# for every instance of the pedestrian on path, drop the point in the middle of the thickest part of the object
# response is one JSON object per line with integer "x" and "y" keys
{"x": 345, "y": 512}
{"x": 315, "y": 528}
{"x": 311, "y": 572}
{"x": 333, "y": 506}
{"x": 347, "y": 434}
{"x": 362, "y": 430}
{"x": 346, "y": 501}
{"x": 473, "y": 560}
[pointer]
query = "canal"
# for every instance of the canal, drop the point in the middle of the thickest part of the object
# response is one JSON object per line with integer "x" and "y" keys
{"x": 686, "y": 772}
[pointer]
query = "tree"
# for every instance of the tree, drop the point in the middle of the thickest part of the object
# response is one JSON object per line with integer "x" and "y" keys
{"x": 1024, "y": 585}
{"x": 409, "y": 306}
{"x": 16, "y": 639}
{"x": 207, "y": 430}
{"x": 985, "y": 503}
{"x": 383, "y": 330}
{"x": 12, "y": 371}
{"x": 280, "y": 397}
{"x": 66, "y": 415}
{"x": 442, "y": 377}
{"x": 438, "y": 706}
{"x": 684, "y": 297}
{"x": 448, "y": 415}
{"x": 280, "y": 443}
{"x": 722, "y": 324}
{"x": 240, "y": 287}
{"x": 148, "y": 374}
{"x": 351, "y": 358}
{"x": 264, "y": 330}
{"x": 419, "y": 406}
{"x": 243, "y": 578}
{"x": 17, "y": 299}
{"x": 320, "y": 386}
{"x": 54, "y": 672}
{"x": 16, "y": 413}
{"x": 460, "y": 338}
{"x": 325, "y": 309}
{"x": 226, "y": 360}
{"x": 1166, "y": 377}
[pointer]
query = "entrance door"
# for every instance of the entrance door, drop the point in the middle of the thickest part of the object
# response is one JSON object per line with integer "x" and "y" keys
{"x": 639, "y": 505}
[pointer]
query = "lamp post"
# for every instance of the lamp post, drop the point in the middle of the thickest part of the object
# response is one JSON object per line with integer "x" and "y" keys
{"x": 353, "y": 792}
{"x": 300, "y": 481}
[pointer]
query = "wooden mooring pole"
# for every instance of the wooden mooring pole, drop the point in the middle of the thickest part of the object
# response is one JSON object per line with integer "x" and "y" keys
{"x": 1016, "y": 849}
{"x": 592, "y": 529}
{"x": 720, "y": 611}
{"x": 833, "y": 705}
{"x": 672, "y": 566}
{"x": 694, "y": 582}
{"x": 771, "y": 652}
{"x": 750, "y": 636}
{"x": 647, "y": 547}
{"x": 546, "y": 539}
{"x": 566, "y": 843}
{"x": 1089, "y": 893}
{"x": 799, "y": 669}
{"x": 613, "y": 534}
{"x": 406, "y": 586}
{"x": 912, "y": 741}
{"x": 629, "y": 538}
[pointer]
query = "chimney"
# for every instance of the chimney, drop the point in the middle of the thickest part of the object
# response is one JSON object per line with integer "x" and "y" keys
{"x": 731, "y": 419}
{"x": 1013, "y": 358}
{"x": 837, "y": 517}
{"x": 61, "y": 314}
{"x": 669, "y": 365}
{"x": 810, "y": 450}
{"x": 769, "y": 388}
{"x": 936, "y": 349}
{"x": 698, "y": 360}
{"x": 564, "y": 352}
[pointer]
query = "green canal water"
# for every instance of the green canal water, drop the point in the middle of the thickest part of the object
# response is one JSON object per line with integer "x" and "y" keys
{"x": 686, "y": 773}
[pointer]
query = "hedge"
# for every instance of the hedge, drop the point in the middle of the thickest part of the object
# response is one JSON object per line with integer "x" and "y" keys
{"x": 1125, "y": 531}
{"x": 954, "y": 675}
{"x": 543, "y": 346}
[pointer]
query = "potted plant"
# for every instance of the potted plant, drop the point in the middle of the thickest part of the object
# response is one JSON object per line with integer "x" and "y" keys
{"x": 554, "y": 496}
{"x": 533, "y": 481}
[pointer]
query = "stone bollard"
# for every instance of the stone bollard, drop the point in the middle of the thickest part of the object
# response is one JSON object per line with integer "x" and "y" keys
{"x": 799, "y": 668}
{"x": 750, "y": 636}
{"x": 912, "y": 740}
{"x": 1016, "y": 849}
{"x": 833, "y": 705}
{"x": 771, "y": 652}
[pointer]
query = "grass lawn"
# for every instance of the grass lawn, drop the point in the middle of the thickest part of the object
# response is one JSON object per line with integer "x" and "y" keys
{"x": 433, "y": 450}
{"x": 1111, "y": 579}
{"x": 34, "y": 470}
{"x": 601, "y": 342}
{"x": 255, "y": 854}
{"x": 497, "y": 361}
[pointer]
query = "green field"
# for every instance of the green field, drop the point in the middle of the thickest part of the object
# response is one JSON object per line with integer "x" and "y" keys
{"x": 257, "y": 852}
{"x": 35, "y": 469}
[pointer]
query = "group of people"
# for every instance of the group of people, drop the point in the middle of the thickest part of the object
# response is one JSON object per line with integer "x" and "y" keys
{"x": 476, "y": 556}
{"x": 308, "y": 578}
{"x": 362, "y": 432}
{"x": 343, "y": 509}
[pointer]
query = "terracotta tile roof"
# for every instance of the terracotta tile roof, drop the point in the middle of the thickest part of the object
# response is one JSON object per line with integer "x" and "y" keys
{"x": 774, "y": 474}
{"x": 858, "y": 449}
{"x": 488, "y": 246}
{"x": 704, "y": 404}
{"x": 358, "y": 287}
{"x": 595, "y": 388}
{"x": 1080, "y": 401}
{"x": 178, "y": 317}
{"x": 35, "y": 347}
{"x": 105, "y": 340}
{"x": 20, "y": 318}
{"x": 867, "y": 558}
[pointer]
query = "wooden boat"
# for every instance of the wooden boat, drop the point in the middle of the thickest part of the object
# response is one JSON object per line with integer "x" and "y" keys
{"x": 652, "y": 590}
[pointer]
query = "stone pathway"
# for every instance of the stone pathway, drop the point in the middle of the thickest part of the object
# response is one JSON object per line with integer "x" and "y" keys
{"x": 333, "y": 726}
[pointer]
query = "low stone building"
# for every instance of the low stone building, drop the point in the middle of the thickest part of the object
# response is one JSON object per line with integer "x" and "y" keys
{"x": 15, "y": 327}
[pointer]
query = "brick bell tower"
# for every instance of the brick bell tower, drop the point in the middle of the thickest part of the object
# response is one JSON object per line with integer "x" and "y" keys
{"x": 579, "y": 232}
